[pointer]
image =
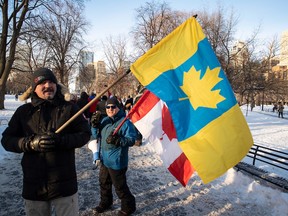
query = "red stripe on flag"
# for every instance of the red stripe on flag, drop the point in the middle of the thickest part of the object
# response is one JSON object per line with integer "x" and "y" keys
{"x": 167, "y": 123}
{"x": 143, "y": 106}
{"x": 181, "y": 169}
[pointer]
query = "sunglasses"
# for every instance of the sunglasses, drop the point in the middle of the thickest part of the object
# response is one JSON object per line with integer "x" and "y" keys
{"x": 112, "y": 107}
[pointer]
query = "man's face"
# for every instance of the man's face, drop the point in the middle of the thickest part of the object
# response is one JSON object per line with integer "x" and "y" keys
{"x": 46, "y": 89}
{"x": 111, "y": 110}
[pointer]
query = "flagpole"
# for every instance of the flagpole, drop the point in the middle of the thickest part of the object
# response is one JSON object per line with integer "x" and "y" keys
{"x": 135, "y": 107}
{"x": 120, "y": 125}
{"x": 91, "y": 102}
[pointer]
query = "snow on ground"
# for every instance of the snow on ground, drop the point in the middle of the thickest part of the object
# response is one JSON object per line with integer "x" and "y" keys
{"x": 156, "y": 190}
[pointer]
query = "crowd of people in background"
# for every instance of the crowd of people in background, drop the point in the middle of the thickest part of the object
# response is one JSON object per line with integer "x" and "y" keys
{"x": 99, "y": 105}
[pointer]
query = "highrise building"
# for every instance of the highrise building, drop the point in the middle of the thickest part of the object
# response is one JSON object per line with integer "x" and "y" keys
{"x": 284, "y": 49}
{"x": 86, "y": 57}
{"x": 85, "y": 73}
{"x": 101, "y": 76}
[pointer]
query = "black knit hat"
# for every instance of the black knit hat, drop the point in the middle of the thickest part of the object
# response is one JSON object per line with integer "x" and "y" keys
{"x": 104, "y": 97}
{"x": 113, "y": 100}
{"x": 41, "y": 75}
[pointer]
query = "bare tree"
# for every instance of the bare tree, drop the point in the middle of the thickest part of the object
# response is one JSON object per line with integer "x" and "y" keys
{"x": 275, "y": 85}
{"x": 62, "y": 29}
{"x": 220, "y": 27}
{"x": 115, "y": 51}
{"x": 31, "y": 53}
{"x": 157, "y": 20}
{"x": 252, "y": 76}
{"x": 154, "y": 21}
{"x": 62, "y": 26}
{"x": 118, "y": 62}
{"x": 14, "y": 14}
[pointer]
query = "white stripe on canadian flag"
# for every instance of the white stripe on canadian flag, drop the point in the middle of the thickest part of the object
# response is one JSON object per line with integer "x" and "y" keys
{"x": 152, "y": 118}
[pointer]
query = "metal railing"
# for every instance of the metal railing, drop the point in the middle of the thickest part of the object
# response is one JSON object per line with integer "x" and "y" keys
{"x": 270, "y": 156}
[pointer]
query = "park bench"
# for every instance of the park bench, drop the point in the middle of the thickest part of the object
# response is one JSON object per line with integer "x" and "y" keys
{"x": 270, "y": 156}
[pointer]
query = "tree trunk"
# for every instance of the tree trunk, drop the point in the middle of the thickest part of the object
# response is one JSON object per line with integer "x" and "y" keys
{"x": 2, "y": 95}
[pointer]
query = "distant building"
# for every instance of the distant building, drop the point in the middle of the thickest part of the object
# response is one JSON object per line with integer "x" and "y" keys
{"x": 281, "y": 69}
{"x": 284, "y": 49}
{"x": 85, "y": 72}
{"x": 280, "y": 72}
{"x": 101, "y": 76}
{"x": 86, "y": 57}
{"x": 239, "y": 53}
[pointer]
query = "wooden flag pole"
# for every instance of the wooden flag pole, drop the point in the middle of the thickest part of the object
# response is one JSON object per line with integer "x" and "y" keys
{"x": 91, "y": 102}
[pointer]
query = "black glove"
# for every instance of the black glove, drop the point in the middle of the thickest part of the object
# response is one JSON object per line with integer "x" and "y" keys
{"x": 41, "y": 143}
{"x": 113, "y": 139}
{"x": 95, "y": 118}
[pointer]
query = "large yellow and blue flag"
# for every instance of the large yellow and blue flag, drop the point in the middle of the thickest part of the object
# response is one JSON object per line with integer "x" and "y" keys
{"x": 184, "y": 72}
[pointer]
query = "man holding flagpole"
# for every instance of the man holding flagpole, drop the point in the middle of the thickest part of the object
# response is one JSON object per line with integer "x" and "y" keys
{"x": 48, "y": 162}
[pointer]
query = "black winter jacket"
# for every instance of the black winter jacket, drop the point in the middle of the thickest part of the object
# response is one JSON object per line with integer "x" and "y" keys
{"x": 47, "y": 175}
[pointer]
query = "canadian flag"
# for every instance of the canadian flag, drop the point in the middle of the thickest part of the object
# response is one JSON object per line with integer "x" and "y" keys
{"x": 152, "y": 118}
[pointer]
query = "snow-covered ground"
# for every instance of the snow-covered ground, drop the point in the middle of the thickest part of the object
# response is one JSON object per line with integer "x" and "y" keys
{"x": 156, "y": 191}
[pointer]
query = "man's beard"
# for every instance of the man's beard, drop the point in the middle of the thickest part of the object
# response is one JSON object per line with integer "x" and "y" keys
{"x": 49, "y": 97}
{"x": 51, "y": 94}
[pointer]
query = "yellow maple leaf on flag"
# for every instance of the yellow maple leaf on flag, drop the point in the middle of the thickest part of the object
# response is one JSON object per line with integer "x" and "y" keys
{"x": 199, "y": 91}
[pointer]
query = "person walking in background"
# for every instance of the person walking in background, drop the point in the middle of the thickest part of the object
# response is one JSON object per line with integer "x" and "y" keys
{"x": 280, "y": 110}
{"x": 101, "y": 106}
{"x": 48, "y": 162}
{"x": 252, "y": 105}
{"x": 98, "y": 115}
{"x": 92, "y": 108}
{"x": 114, "y": 158}
{"x": 120, "y": 102}
{"x": 275, "y": 107}
{"x": 128, "y": 103}
{"x": 81, "y": 102}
